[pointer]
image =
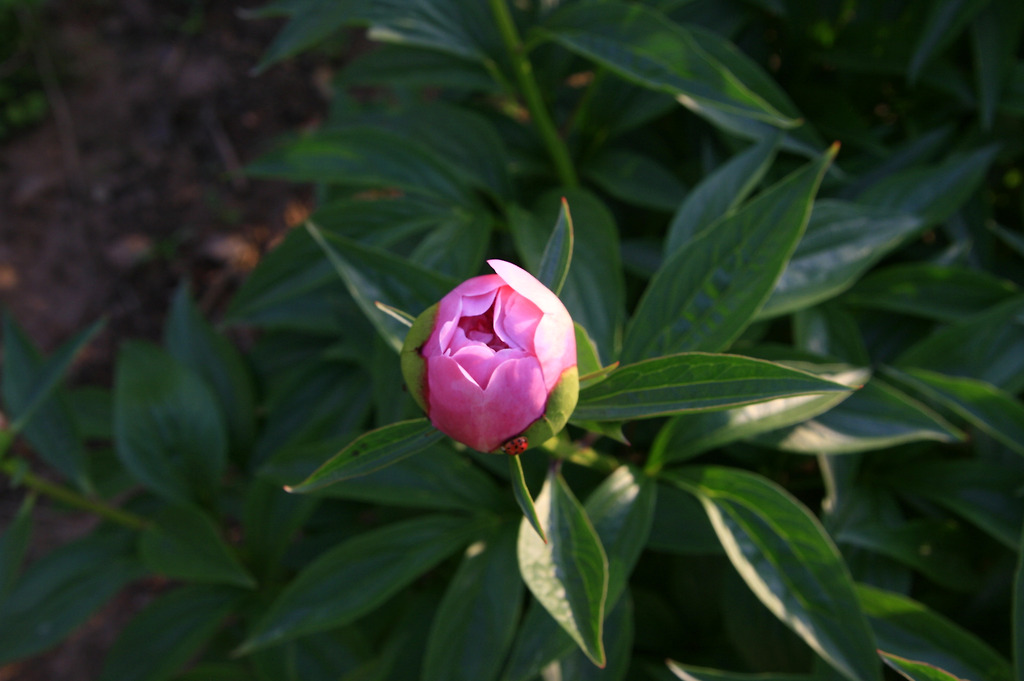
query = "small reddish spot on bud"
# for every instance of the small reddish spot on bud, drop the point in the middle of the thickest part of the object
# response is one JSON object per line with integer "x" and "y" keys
{"x": 515, "y": 446}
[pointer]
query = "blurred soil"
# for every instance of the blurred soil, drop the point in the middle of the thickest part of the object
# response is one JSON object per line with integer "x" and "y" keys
{"x": 131, "y": 185}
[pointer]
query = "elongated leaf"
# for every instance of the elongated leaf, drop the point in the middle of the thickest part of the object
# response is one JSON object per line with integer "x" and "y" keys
{"x": 194, "y": 343}
{"x": 688, "y": 435}
{"x": 271, "y": 519}
{"x": 843, "y": 240}
{"x": 946, "y": 20}
{"x": 721, "y": 191}
{"x": 14, "y": 541}
{"x": 691, "y": 382}
{"x": 59, "y": 591}
{"x": 568, "y": 575}
{"x": 167, "y": 634}
{"x": 998, "y": 413}
{"x": 373, "y": 275}
{"x": 436, "y": 478}
{"x": 594, "y": 291}
{"x": 619, "y": 634}
{"x": 28, "y": 380}
{"x": 689, "y": 673}
{"x": 365, "y": 158}
{"x": 358, "y": 575}
{"x": 985, "y": 346}
{"x": 554, "y": 264}
{"x": 168, "y": 431}
{"x": 788, "y": 561}
{"x": 1017, "y": 615}
{"x": 645, "y": 47}
{"x": 184, "y": 543}
{"x": 943, "y": 293}
{"x": 914, "y": 670}
{"x": 995, "y": 35}
{"x": 373, "y": 451}
{"x": 476, "y": 621}
{"x": 635, "y": 178}
{"x": 907, "y": 628}
{"x": 876, "y": 416}
{"x": 622, "y": 511}
{"x": 35, "y": 403}
{"x": 310, "y": 23}
{"x": 932, "y": 193}
{"x": 984, "y": 493}
{"x": 465, "y": 28}
{"x": 410, "y": 67}
{"x": 704, "y": 295}
{"x": 523, "y": 497}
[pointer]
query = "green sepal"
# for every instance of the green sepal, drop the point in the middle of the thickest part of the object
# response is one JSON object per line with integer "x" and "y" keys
{"x": 414, "y": 367}
{"x": 560, "y": 406}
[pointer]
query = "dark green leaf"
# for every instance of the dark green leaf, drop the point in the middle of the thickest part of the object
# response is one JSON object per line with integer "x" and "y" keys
{"x": 706, "y": 293}
{"x": 184, "y": 543}
{"x": 358, "y": 575}
{"x": 29, "y": 381}
{"x": 568, "y": 575}
{"x": 914, "y": 670}
{"x": 635, "y": 178}
{"x": 465, "y": 28}
{"x": 932, "y": 193}
{"x": 328, "y": 656}
{"x": 995, "y": 35}
{"x": 412, "y": 67}
{"x": 938, "y": 549}
{"x": 622, "y": 511}
{"x": 691, "y": 382}
{"x": 998, "y": 413}
{"x": 523, "y": 496}
{"x": 788, "y": 561}
{"x": 167, "y": 633}
{"x": 875, "y": 417}
{"x": 1017, "y": 614}
{"x": 619, "y": 634}
{"x": 168, "y": 430}
{"x": 194, "y": 343}
{"x": 557, "y": 257}
{"x": 36, "y": 403}
{"x": 372, "y": 451}
{"x": 946, "y": 20}
{"x": 59, "y": 591}
{"x": 594, "y": 291}
{"x": 436, "y": 478}
{"x": 829, "y": 330}
{"x": 907, "y": 628}
{"x": 943, "y": 293}
{"x": 271, "y": 519}
{"x": 311, "y": 22}
{"x": 645, "y": 47}
{"x": 364, "y": 158}
{"x": 14, "y": 541}
{"x": 842, "y": 241}
{"x": 986, "y": 494}
{"x": 720, "y": 192}
{"x": 372, "y": 274}
{"x": 688, "y": 435}
{"x": 985, "y": 346}
{"x": 689, "y": 673}
{"x": 474, "y": 625}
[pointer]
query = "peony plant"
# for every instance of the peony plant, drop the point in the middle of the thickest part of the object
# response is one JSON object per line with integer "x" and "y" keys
{"x": 493, "y": 364}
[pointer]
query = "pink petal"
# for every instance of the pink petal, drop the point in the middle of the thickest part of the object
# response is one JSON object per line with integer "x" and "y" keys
{"x": 484, "y": 419}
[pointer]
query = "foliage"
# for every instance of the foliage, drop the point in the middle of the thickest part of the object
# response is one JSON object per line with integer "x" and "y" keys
{"x": 798, "y": 443}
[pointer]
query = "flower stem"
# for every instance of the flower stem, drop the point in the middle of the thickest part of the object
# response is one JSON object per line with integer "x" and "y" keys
{"x": 20, "y": 474}
{"x": 531, "y": 94}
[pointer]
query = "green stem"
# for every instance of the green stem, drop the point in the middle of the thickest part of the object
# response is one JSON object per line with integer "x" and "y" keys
{"x": 532, "y": 96}
{"x": 19, "y": 473}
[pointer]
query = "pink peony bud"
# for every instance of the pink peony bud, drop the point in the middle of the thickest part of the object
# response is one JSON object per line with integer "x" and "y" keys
{"x": 494, "y": 360}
